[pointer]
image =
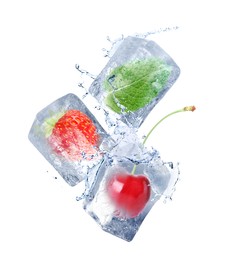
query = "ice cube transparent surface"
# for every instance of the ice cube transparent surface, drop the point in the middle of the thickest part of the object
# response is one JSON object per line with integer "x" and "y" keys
{"x": 99, "y": 206}
{"x": 130, "y": 50}
{"x": 72, "y": 171}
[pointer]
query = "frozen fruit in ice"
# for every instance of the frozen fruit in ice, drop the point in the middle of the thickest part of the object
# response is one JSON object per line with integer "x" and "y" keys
{"x": 129, "y": 193}
{"x": 73, "y": 135}
{"x": 133, "y": 85}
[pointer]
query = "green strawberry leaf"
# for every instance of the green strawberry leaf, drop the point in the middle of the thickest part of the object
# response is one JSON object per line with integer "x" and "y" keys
{"x": 50, "y": 122}
{"x": 133, "y": 85}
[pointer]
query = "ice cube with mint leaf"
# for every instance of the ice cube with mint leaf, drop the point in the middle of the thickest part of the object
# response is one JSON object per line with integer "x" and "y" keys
{"x": 135, "y": 79}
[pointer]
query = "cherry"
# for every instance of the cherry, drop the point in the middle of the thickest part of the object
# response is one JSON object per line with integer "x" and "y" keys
{"x": 129, "y": 193}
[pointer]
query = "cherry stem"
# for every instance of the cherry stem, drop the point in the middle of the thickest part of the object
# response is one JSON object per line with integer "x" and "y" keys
{"x": 188, "y": 108}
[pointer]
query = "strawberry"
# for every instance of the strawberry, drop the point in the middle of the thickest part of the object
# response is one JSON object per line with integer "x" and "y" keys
{"x": 73, "y": 135}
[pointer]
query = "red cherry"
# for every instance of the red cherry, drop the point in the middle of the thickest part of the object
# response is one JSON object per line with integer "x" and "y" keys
{"x": 129, "y": 193}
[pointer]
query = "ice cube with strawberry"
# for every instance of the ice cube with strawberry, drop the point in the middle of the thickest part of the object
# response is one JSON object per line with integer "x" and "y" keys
{"x": 70, "y": 137}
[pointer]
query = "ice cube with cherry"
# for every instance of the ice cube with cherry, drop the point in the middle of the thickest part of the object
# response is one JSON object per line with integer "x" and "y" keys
{"x": 125, "y": 188}
{"x": 119, "y": 199}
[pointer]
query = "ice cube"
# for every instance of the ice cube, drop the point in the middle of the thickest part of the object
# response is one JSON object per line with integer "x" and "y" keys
{"x": 68, "y": 135}
{"x": 119, "y": 198}
{"x": 134, "y": 80}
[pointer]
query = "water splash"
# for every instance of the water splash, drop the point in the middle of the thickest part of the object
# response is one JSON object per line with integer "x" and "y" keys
{"x": 174, "y": 168}
{"x": 114, "y": 44}
{"x": 85, "y": 192}
{"x": 83, "y": 90}
{"x": 132, "y": 154}
{"x": 85, "y": 72}
{"x": 157, "y": 31}
{"x": 89, "y": 182}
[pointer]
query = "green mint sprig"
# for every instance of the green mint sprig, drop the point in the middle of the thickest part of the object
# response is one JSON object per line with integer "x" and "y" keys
{"x": 135, "y": 84}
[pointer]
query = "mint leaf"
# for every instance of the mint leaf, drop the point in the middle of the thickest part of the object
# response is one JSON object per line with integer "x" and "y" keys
{"x": 133, "y": 85}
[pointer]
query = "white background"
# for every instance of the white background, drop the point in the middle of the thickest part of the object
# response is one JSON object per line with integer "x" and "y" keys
{"x": 40, "y": 42}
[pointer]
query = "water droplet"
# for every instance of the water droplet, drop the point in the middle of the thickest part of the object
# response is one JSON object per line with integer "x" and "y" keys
{"x": 98, "y": 107}
{"x": 156, "y": 31}
{"x": 84, "y": 72}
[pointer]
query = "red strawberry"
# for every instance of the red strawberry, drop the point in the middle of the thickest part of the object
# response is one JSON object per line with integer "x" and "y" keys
{"x": 74, "y": 136}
